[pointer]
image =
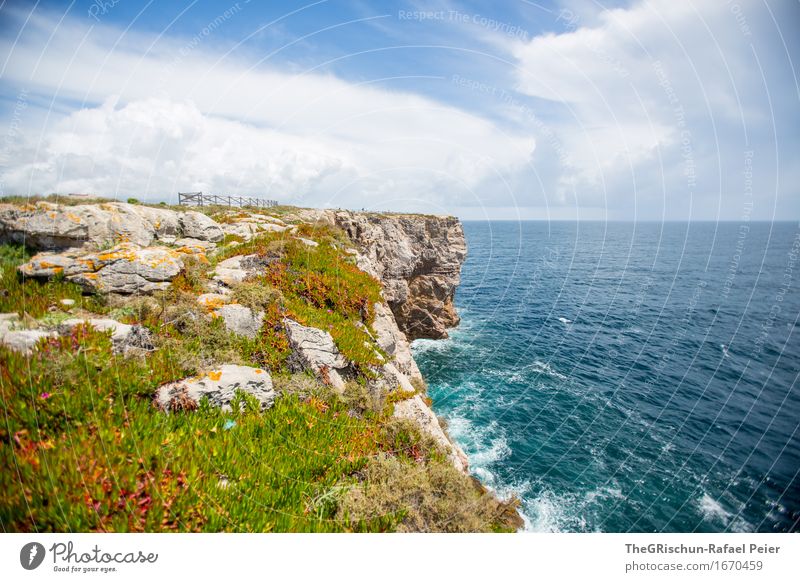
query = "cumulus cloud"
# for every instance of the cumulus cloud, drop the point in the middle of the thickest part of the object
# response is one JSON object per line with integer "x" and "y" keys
{"x": 662, "y": 103}
{"x": 202, "y": 120}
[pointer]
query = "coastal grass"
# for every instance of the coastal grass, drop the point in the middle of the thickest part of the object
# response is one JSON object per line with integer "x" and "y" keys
{"x": 32, "y": 297}
{"x": 85, "y": 449}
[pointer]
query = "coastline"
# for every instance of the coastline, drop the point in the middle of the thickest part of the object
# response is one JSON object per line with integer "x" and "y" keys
{"x": 237, "y": 270}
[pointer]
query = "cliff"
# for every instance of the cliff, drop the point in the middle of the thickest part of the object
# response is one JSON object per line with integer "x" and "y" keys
{"x": 289, "y": 307}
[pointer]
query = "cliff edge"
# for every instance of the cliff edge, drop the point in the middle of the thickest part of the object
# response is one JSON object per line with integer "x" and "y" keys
{"x": 303, "y": 316}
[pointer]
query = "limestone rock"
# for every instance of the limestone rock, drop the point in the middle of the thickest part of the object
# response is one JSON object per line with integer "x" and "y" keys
{"x": 241, "y": 320}
{"x": 47, "y": 226}
{"x": 124, "y": 269}
{"x": 195, "y": 245}
{"x": 417, "y": 411}
{"x": 124, "y": 337}
{"x": 230, "y": 271}
{"x": 199, "y": 226}
{"x": 237, "y": 269}
{"x": 24, "y": 340}
{"x": 418, "y": 259}
{"x": 393, "y": 341}
{"x": 220, "y": 386}
{"x": 315, "y": 349}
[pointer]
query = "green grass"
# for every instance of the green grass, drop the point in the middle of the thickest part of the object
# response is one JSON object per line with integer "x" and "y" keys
{"x": 33, "y": 297}
{"x": 84, "y": 449}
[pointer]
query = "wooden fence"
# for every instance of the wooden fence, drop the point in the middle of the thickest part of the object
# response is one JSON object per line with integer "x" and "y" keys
{"x": 200, "y": 199}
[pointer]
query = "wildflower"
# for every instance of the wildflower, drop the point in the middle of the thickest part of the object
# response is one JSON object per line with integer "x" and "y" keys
{"x": 44, "y": 395}
{"x": 229, "y": 424}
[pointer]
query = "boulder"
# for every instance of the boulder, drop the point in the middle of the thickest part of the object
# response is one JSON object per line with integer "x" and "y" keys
{"x": 308, "y": 242}
{"x": 219, "y": 386}
{"x": 237, "y": 269}
{"x": 195, "y": 245}
{"x": 241, "y": 320}
{"x": 314, "y": 349}
{"x": 126, "y": 268}
{"x": 230, "y": 271}
{"x": 415, "y": 410}
{"x": 24, "y": 340}
{"x": 125, "y": 338}
{"x": 197, "y": 225}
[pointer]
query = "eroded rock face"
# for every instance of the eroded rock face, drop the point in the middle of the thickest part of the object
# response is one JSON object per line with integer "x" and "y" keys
{"x": 315, "y": 349}
{"x": 220, "y": 386}
{"x": 126, "y": 268}
{"x": 415, "y": 410}
{"x": 418, "y": 259}
{"x": 46, "y": 226}
{"x": 393, "y": 341}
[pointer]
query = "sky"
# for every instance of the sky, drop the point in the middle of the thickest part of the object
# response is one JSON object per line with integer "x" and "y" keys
{"x": 640, "y": 110}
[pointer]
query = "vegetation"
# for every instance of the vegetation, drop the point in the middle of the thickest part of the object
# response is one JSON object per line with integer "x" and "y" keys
{"x": 32, "y": 297}
{"x": 84, "y": 448}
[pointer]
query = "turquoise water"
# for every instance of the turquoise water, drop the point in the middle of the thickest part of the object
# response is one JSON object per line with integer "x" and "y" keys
{"x": 629, "y": 377}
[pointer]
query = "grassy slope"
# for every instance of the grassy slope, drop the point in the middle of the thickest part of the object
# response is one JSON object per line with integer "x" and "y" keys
{"x": 83, "y": 448}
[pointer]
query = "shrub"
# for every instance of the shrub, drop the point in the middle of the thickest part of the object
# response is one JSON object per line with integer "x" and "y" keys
{"x": 424, "y": 497}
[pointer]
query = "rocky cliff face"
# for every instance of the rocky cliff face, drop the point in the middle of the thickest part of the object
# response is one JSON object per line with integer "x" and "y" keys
{"x": 418, "y": 259}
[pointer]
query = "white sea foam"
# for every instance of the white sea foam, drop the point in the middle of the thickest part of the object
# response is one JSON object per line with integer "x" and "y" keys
{"x": 712, "y": 510}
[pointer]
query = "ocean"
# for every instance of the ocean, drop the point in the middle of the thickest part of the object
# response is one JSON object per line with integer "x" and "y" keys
{"x": 628, "y": 376}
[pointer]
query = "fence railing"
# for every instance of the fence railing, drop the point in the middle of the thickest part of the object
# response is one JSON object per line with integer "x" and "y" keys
{"x": 200, "y": 199}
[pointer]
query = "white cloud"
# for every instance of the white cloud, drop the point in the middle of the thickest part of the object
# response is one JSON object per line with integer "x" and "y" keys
{"x": 660, "y": 103}
{"x": 202, "y": 119}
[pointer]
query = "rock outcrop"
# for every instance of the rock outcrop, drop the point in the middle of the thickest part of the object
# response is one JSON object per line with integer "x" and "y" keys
{"x": 46, "y": 226}
{"x": 219, "y": 386}
{"x": 125, "y": 269}
{"x": 418, "y": 259}
{"x": 240, "y": 320}
{"x": 415, "y": 410}
{"x": 315, "y": 349}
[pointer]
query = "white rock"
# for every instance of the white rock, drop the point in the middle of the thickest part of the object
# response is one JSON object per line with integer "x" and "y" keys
{"x": 67, "y": 302}
{"x": 126, "y": 268}
{"x": 393, "y": 341}
{"x": 230, "y": 271}
{"x": 220, "y": 386}
{"x": 124, "y": 337}
{"x": 24, "y": 340}
{"x": 241, "y": 320}
{"x": 197, "y": 225}
{"x": 415, "y": 410}
{"x": 314, "y": 349}
{"x": 308, "y": 242}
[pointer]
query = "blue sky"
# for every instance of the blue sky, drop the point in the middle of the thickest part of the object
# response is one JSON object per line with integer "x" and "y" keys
{"x": 650, "y": 110}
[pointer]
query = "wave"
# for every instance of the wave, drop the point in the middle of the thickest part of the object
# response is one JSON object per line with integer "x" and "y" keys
{"x": 536, "y": 368}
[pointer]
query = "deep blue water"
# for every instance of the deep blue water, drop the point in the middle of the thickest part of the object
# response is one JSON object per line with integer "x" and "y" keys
{"x": 629, "y": 376}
